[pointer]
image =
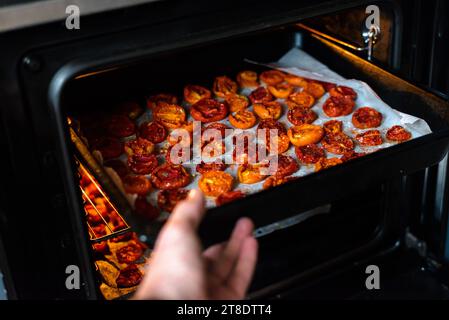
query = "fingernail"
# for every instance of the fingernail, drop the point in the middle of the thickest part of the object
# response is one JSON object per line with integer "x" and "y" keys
{"x": 192, "y": 194}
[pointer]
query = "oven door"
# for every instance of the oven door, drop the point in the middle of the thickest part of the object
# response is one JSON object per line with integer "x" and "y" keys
{"x": 37, "y": 91}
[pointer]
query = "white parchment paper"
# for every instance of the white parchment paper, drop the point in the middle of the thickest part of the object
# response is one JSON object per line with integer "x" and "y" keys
{"x": 300, "y": 63}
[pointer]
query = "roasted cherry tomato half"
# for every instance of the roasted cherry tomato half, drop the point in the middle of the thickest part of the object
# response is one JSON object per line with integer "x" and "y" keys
{"x": 182, "y": 135}
{"x": 237, "y": 102}
{"x": 183, "y": 155}
{"x": 280, "y": 90}
{"x": 366, "y": 117}
{"x": 250, "y": 173}
{"x": 136, "y": 185}
{"x": 333, "y": 126}
{"x": 165, "y": 98}
{"x": 129, "y": 276}
{"x": 129, "y": 253}
{"x": 214, "y": 183}
{"x": 260, "y": 95}
{"x": 268, "y": 110}
{"x": 247, "y": 79}
{"x": 247, "y": 150}
{"x": 295, "y": 80}
{"x": 309, "y": 154}
{"x": 272, "y": 77}
{"x": 315, "y": 89}
{"x": 194, "y": 93}
{"x": 204, "y": 167}
{"x": 272, "y": 124}
{"x": 169, "y": 115}
{"x": 209, "y": 110}
{"x": 139, "y": 147}
{"x": 168, "y": 176}
{"x": 299, "y": 116}
{"x": 207, "y": 135}
{"x": 398, "y": 134}
{"x": 369, "y": 138}
{"x": 142, "y": 164}
{"x": 343, "y": 91}
{"x": 338, "y": 106}
{"x": 153, "y": 131}
{"x": 224, "y": 86}
{"x": 286, "y": 166}
{"x": 275, "y": 139}
{"x": 300, "y": 99}
{"x": 338, "y": 143}
{"x": 305, "y": 134}
{"x": 243, "y": 119}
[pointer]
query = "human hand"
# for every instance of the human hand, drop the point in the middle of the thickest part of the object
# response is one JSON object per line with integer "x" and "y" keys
{"x": 181, "y": 269}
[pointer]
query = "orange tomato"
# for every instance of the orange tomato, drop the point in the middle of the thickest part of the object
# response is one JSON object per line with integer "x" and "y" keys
{"x": 169, "y": 115}
{"x": 215, "y": 183}
{"x": 295, "y": 80}
{"x": 243, "y": 119}
{"x": 315, "y": 89}
{"x": 247, "y": 79}
{"x": 194, "y": 93}
{"x": 305, "y": 134}
{"x": 301, "y": 99}
{"x": 224, "y": 86}
{"x": 268, "y": 110}
{"x": 237, "y": 102}
{"x": 272, "y": 77}
{"x": 281, "y": 90}
{"x": 249, "y": 173}
{"x": 155, "y": 100}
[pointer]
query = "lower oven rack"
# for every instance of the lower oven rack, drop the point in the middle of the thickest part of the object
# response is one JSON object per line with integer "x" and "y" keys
{"x": 84, "y": 156}
{"x": 93, "y": 212}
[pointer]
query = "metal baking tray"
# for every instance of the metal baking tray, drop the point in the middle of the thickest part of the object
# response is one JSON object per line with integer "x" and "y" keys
{"x": 324, "y": 187}
{"x": 201, "y": 64}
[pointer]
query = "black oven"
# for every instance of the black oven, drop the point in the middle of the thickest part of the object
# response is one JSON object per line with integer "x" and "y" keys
{"x": 389, "y": 209}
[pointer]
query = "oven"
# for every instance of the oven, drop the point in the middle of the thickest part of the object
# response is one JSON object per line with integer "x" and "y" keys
{"x": 317, "y": 235}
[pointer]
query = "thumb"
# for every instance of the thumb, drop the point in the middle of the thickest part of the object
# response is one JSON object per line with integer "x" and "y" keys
{"x": 190, "y": 212}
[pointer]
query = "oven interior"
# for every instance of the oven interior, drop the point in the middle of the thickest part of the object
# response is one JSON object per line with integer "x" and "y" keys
{"x": 351, "y": 228}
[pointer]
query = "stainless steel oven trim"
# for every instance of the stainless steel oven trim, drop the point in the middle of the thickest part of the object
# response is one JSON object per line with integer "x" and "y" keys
{"x": 26, "y": 15}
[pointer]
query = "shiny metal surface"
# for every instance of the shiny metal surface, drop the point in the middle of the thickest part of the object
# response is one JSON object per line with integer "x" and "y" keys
{"x": 39, "y": 12}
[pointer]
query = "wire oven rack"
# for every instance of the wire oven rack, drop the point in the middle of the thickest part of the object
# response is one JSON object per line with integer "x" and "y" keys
{"x": 104, "y": 227}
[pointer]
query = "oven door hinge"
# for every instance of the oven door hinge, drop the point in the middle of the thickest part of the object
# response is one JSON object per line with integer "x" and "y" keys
{"x": 369, "y": 36}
